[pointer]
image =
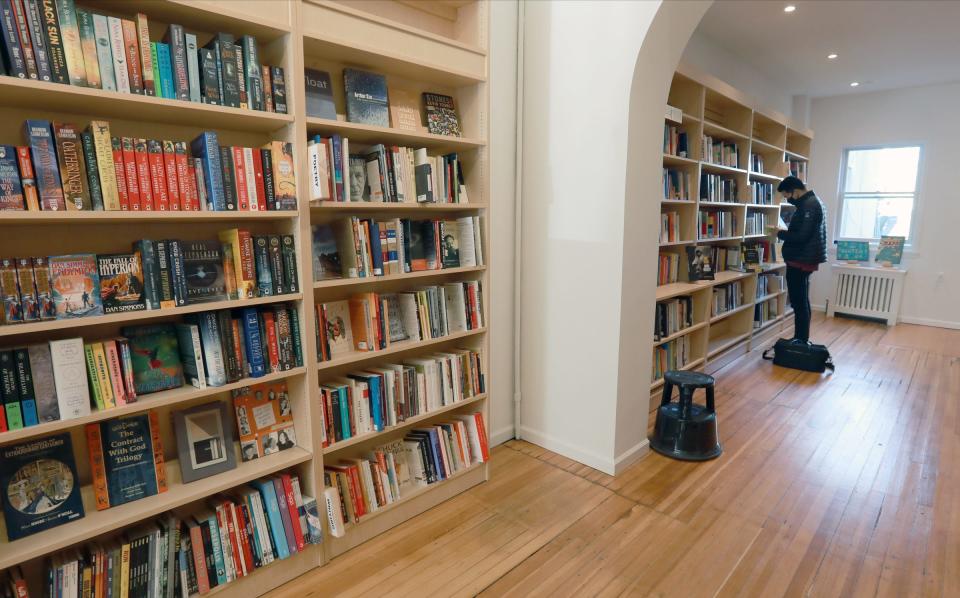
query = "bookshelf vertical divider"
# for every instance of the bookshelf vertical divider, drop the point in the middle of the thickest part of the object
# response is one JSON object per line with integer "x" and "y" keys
{"x": 416, "y": 46}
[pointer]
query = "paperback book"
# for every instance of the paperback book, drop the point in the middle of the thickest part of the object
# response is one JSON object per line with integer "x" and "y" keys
{"x": 76, "y": 285}
{"x": 366, "y": 95}
{"x": 155, "y": 353}
{"x": 126, "y": 459}
{"x": 121, "y": 282}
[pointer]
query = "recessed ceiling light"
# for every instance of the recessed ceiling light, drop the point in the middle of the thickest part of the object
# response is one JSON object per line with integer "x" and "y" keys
{"x": 832, "y": 56}
{"x": 789, "y": 8}
{"x": 855, "y": 84}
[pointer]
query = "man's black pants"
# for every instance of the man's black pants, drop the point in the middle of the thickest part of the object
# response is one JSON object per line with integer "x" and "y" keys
{"x": 798, "y": 287}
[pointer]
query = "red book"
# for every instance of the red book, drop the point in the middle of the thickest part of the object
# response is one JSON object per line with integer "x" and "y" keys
{"x": 285, "y": 515}
{"x": 3, "y": 420}
{"x": 132, "y": 47}
{"x": 482, "y": 432}
{"x": 294, "y": 511}
{"x": 183, "y": 175}
{"x": 355, "y": 482}
{"x": 240, "y": 176}
{"x": 235, "y": 527}
{"x": 121, "y": 177}
{"x": 28, "y": 179}
{"x": 170, "y": 168}
{"x": 246, "y": 528}
{"x": 130, "y": 173}
{"x": 225, "y": 523}
{"x": 142, "y": 160}
{"x": 261, "y": 190}
{"x": 199, "y": 559}
{"x": 158, "y": 178}
{"x": 273, "y": 349}
{"x": 192, "y": 184}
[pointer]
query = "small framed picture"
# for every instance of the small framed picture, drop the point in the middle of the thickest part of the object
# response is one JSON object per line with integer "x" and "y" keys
{"x": 204, "y": 441}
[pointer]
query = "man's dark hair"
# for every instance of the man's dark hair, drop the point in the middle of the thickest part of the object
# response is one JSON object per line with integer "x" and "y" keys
{"x": 789, "y": 184}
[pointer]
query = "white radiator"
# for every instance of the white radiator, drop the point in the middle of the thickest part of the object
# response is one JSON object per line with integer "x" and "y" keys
{"x": 866, "y": 291}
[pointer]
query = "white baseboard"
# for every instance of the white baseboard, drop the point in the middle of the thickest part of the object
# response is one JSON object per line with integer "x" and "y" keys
{"x": 930, "y": 322}
{"x": 605, "y": 464}
{"x": 500, "y": 436}
{"x": 818, "y": 307}
{"x": 631, "y": 456}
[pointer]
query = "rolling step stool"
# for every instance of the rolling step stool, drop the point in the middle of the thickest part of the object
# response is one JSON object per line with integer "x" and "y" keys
{"x": 686, "y": 430}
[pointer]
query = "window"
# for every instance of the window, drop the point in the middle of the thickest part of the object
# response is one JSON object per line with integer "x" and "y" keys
{"x": 878, "y": 191}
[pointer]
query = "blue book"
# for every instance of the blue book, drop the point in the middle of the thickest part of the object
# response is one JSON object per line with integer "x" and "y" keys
{"x": 28, "y": 399}
{"x": 207, "y": 148}
{"x": 345, "y": 411}
{"x": 210, "y": 519}
{"x": 366, "y": 95}
{"x": 12, "y": 53}
{"x": 122, "y": 449}
{"x": 151, "y": 272}
{"x": 272, "y": 508}
{"x": 11, "y": 192}
{"x": 338, "y": 166}
{"x": 376, "y": 250}
{"x": 166, "y": 71}
{"x": 213, "y": 358}
{"x": 376, "y": 400}
{"x": 39, "y": 496}
{"x": 254, "y": 343}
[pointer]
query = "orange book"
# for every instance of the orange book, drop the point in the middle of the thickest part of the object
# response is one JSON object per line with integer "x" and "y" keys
{"x": 98, "y": 471}
{"x": 132, "y": 47}
{"x": 184, "y": 177}
{"x": 28, "y": 179}
{"x": 158, "y": 452}
{"x": 143, "y": 174}
{"x": 120, "y": 173}
{"x": 170, "y": 168}
{"x": 360, "y": 323}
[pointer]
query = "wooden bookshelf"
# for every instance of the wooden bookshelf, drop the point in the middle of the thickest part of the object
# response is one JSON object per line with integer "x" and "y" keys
{"x": 435, "y": 47}
{"x": 714, "y": 108}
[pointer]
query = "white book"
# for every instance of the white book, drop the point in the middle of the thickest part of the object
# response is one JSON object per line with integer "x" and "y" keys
{"x": 251, "y": 179}
{"x": 119, "y": 54}
{"x": 465, "y": 235}
{"x": 319, "y": 173}
{"x": 401, "y": 252}
{"x": 411, "y": 315}
{"x": 398, "y": 174}
{"x": 191, "y": 353}
{"x": 366, "y": 477}
{"x": 411, "y": 174}
{"x": 193, "y": 67}
{"x": 101, "y": 30}
{"x": 477, "y": 240}
{"x": 456, "y": 307}
{"x": 473, "y": 435}
{"x": 415, "y": 463}
{"x": 70, "y": 377}
{"x": 335, "y": 524}
{"x": 373, "y": 180}
{"x": 261, "y": 528}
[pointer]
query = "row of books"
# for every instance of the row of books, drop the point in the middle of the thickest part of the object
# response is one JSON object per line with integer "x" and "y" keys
{"x": 674, "y": 355}
{"x": 762, "y": 193}
{"x": 764, "y": 312}
{"x": 672, "y": 316}
{"x": 756, "y": 223}
{"x": 157, "y": 274}
{"x": 13, "y": 584}
{"x": 668, "y": 268}
{"x": 180, "y": 555}
{"x": 756, "y": 163}
{"x": 675, "y": 141}
{"x": 798, "y": 168}
{"x": 64, "y": 168}
{"x": 676, "y": 184}
{"x": 716, "y": 224}
{"x": 669, "y": 227}
{"x": 371, "y": 321}
{"x": 726, "y": 257}
{"x": 355, "y": 488}
{"x": 376, "y": 399}
{"x": 715, "y": 187}
{"x": 769, "y": 283}
{"x": 389, "y": 174}
{"x": 364, "y": 247}
{"x": 55, "y": 41}
{"x": 726, "y": 297}
{"x": 717, "y": 151}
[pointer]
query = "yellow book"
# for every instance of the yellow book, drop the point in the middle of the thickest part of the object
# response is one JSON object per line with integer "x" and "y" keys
{"x": 284, "y": 175}
{"x": 103, "y": 147}
{"x": 244, "y": 269}
{"x": 103, "y": 376}
{"x": 125, "y": 570}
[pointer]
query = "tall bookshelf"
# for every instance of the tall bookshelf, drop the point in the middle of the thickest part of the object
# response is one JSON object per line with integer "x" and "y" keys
{"x": 439, "y": 47}
{"x": 712, "y": 108}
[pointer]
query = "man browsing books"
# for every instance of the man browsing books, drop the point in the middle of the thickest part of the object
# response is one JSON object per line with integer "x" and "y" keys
{"x": 804, "y": 249}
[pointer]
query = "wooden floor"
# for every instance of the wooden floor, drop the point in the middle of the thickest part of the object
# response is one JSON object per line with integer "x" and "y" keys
{"x": 842, "y": 485}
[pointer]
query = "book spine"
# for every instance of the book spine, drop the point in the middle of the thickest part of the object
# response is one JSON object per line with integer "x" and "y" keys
{"x": 193, "y": 66}
{"x": 92, "y": 172}
{"x": 196, "y": 169}
{"x": 229, "y": 183}
{"x": 166, "y": 70}
{"x": 116, "y": 155}
{"x": 266, "y": 157}
{"x": 261, "y": 256}
{"x": 167, "y": 299}
{"x": 279, "y": 90}
{"x": 92, "y": 380}
{"x": 141, "y": 158}
{"x": 258, "y": 180}
{"x": 10, "y": 391}
{"x": 251, "y": 63}
{"x": 241, "y": 77}
{"x": 28, "y": 179}
{"x": 254, "y": 343}
{"x": 126, "y": 361}
{"x": 285, "y": 516}
{"x": 170, "y": 175}
{"x": 158, "y": 465}
{"x": 225, "y": 327}
{"x": 103, "y": 375}
{"x": 199, "y": 560}
{"x": 101, "y": 31}
{"x": 98, "y": 470}
{"x": 267, "y": 89}
{"x": 108, "y": 174}
{"x": 227, "y": 69}
{"x": 67, "y": 15}
{"x": 209, "y": 83}
{"x": 184, "y": 178}
{"x": 115, "y": 371}
{"x": 28, "y": 397}
{"x": 146, "y": 56}
{"x": 158, "y": 178}
{"x": 276, "y": 264}
{"x": 157, "y": 79}
{"x": 45, "y": 162}
{"x": 289, "y": 255}
{"x": 207, "y": 148}
{"x": 297, "y": 339}
{"x": 132, "y": 47}
{"x": 15, "y": 62}
{"x": 294, "y": 512}
{"x": 23, "y": 34}
{"x": 88, "y": 43}
{"x": 178, "y": 61}
{"x": 212, "y": 349}
{"x": 119, "y": 52}
{"x": 250, "y": 178}
{"x": 38, "y": 34}
{"x": 72, "y": 171}
{"x": 177, "y": 275}
{"x": 131, "y": 178}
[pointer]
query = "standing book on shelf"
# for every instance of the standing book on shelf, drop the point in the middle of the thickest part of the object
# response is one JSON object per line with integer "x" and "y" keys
{"x": 39, "y": 485}
{"x": 441, "y": 115}
{"x": 126, "y": 459}
{"x": 121, "y": 282}
{"x": 319, "y": 91}
{"x": 264, "y": 419}
{"x": 72, "y": 170}
{"x": 76, "y": 285}
{"x": 69, "y": 367}
{"x": 155, "y": 354}
{"x": 203, "y": 271}
{"x": 699, "y": 263}
{"x": 11, "y": 191}
{"x": 366, "y": 95}
{"x": 39, "y": 137}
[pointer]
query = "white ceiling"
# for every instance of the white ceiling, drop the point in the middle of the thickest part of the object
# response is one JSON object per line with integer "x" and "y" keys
{"x": 882, "y": 44}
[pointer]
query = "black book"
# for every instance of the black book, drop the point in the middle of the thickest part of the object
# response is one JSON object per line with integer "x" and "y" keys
{"x": 276, "y": 264}
{"x": 38, "y": 33}
{"x": 253, "y": 72}
{"x": 289, "y": 250}
{"x": 209, "y": 81}
{"x": 208, "y": 552}
{"x": 699, "y": 263}
{"x": 163, "y": 269}
{"x": 229, "y": 183}
{"x": 10, "y": 390}
{"x": 267, "y": 158}
{"x": 241, "y": 76}
{"x": 203, "y": 271}
{"x": 57, "y": 53}
{"x": 178, "y": 61}
{"x": 12, "y": 53}
{"x": 225, "y": 324}
{"x": 177, "y": 273}
{"x": 229, "y": 74}
{"x": 279, "y": 90}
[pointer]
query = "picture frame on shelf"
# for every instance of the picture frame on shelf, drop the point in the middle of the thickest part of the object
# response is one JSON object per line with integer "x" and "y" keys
{"x": 205, "y": 440}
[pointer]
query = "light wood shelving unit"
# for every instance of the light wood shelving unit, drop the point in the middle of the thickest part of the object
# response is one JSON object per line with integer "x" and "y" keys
{"x": 439, "y": 47}
{"x": 711, "y": 107}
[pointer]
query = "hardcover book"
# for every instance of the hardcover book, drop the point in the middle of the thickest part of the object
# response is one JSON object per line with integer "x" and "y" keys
{"x": 11, "y": 192}
{"x": 700, "y": 263}
{"x": 126, "y": 459}
{"x": 121, "y": 282}
{"x": 156, "y": 357}
{"x": 75, "y": 285}
{"x": 319, "y": 94}
{"x": 441, "y": 115}
{"x": 284, "y": 176}
{"x": 40, "y": 139}
{"x": 39, "y": 485}
{"x": 264, "y": 419}
{"x": 72, "y": 170}
{"x": 203, "y": 271}
{"x": 890, "y": 249}
{"x": 366, "y": 95}
{"x": 69, "y": 366}
{"x": 405, "y": 110}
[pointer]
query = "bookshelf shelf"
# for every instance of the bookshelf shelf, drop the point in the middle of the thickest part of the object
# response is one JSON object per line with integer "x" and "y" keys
{"x": 671, "y": 160}
{"x": 138, "y": 316}
{"x": 730, "y": 312}
{"x": 721, "y": 204}
{"x": 766, "y": 177}
{"x": 761, "y": 206}
{"x": 675, "y": 289}
{"x": 718, "y": 239}
{"x": 764, "y": 146}
{"x": 677, "y": 243}
{"x": 409, "y": 423}
{"x": 70, "y": 217}
{"x": 370, "y": 134}
{"x": 795, "y": 155}
{"x": 175, "y": 396}
{"x": 372, "y": 281}
{"x": 95, "y": 522}
{"x": 708, "y": 166}
{"x": 678, "y": 202}
{"x": 85, "y": 101}
{"x": 690, "y": 366}
{"x": 715, "y": 130}
{"x": 769, "y": 296}
{"x": 722, "y": 343}
{"x": 677, "y": 335}
{"x": 363, "y": 206}
{"x": 395, "y": 348}
{"x": 756, "y": 236}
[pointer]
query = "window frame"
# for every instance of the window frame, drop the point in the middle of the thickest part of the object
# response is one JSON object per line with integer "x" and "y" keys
{"x": 911, "y": 243}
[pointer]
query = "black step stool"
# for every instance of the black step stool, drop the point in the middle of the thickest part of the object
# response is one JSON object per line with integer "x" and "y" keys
{"x": 686, "y": 430}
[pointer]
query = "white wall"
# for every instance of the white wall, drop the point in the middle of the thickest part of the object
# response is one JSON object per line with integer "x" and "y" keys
{"x": 503, "y": 137}
{"x": 924, "y": 115}
{"x": 707, "y": 55}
